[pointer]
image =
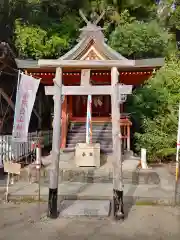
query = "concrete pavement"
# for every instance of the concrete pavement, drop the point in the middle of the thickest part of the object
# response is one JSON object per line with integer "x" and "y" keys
{"x": 155, "y": 184}
{"x": 96, "y": 191}
{"x": 26, "y": 221}
{"x": 159, "y": 185}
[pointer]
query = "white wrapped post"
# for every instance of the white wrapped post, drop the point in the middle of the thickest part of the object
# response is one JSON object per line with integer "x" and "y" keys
{"x": 38, "y": 156}
{"x": 143, "y": 159}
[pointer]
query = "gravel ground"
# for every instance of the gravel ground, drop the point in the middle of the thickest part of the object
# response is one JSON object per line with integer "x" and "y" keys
{"x": 26, "y": 221}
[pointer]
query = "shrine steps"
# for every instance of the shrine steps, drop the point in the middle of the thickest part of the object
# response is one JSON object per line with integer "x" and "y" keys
{"x": 101, "y": 132}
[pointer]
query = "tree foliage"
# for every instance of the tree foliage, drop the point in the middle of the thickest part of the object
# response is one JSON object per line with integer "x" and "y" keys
{"x": 140, "y": 40}
{"x": 135, "y": 28}
{"x": 37, "y": 42}
{"x": 174, "y": 19}
{"x": 42, "y": 28}
{"x": 156, "y": 111}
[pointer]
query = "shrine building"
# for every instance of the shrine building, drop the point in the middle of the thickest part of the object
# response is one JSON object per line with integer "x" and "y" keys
{"x": 92, "y": 46}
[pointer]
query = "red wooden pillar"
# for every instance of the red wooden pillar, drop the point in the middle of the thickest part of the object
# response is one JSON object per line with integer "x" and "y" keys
{"x": 64, "y": 123}
{"x": 70, "y": 107}
{"x": 124, "y": 139}
{"x": 128, "y": 138}
{"x": 121, "y": 108}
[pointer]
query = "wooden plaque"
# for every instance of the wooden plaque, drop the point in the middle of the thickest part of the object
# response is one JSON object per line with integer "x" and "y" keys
{"x": 12, "y": 167}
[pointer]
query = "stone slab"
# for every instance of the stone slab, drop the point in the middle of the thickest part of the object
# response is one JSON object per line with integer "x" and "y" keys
{"x": 87, "y": 155}
{"x": 90, "y": 208}
{"x": 24, "y": 190}
{"x": 100, "y": 191}
{"x": 75, "y": 190}
{"x": 66, "y": 188}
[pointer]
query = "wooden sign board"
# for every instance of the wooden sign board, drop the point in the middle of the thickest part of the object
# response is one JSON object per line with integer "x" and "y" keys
{"x": 13, "y": 168}
{"x": 85, "y": 77}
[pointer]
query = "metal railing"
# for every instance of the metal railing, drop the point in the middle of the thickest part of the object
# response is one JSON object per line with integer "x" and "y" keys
{"x": 11, "y": 151}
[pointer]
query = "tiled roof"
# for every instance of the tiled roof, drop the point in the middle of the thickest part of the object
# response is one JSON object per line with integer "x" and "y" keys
{"x": 92, "y": 35}
{"x": 26, "y": 63}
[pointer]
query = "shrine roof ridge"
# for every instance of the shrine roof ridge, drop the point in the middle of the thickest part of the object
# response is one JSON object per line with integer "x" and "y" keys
{"x": 92, "y": 35}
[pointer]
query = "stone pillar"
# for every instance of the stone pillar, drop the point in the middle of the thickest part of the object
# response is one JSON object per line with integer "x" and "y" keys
{"x": 56, "y": 138}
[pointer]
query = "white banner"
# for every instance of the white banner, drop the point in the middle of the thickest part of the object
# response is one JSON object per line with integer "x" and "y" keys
{"x": 25, "y": 98}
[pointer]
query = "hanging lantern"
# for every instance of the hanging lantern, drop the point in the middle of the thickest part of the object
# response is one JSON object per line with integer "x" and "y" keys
{"x": 123, "y": 97}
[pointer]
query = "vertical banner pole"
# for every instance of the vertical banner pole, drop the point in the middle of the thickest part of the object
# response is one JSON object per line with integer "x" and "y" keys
{"x": 177, "y": 157}
{"x": 15, "y": 112}
{"x": 7, "y": 186}
{"x": 38, "y": 166}
{"x": 85, "y": 81}
{"x": 89, "y": 120}
{"x": 17, "y": 96}
{"x": 38, "y": 169}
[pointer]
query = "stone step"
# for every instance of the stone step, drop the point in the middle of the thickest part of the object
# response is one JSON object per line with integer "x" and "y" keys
{"x": 93, "y": 131}
{"x": 93, "y": 127}
{"x": 102, "y": 141}
{"x": 80, "y": 140}
{"x": 102, "y": 133}
{"x": 68, "y": 149}
{"x": 92, "y": 175}
{"x": 93, "y": 124}
{"x": 103, "y": 147}
{"x": 95, "y": 135}
{"x": 72, "y": 149}
{"x": 95, "y": 140}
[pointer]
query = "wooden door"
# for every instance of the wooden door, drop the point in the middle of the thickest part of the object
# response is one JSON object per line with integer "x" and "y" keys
{"x": 79, "y": 106}
{"x": 101, "y": 106}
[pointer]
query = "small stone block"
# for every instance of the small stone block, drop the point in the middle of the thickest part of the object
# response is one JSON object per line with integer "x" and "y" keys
{"x": 87, "y": 155}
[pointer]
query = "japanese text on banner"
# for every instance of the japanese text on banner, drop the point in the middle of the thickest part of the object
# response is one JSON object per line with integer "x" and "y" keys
{"x": 26, "y": 95}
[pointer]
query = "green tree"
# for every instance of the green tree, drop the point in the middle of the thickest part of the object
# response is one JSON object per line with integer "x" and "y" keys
{"x": 116, "y": 9}
{"x": 138, "y": 8}
{"x": 23, "y": 21}
{"x": 52, "y": 20}
{"x": 47, "y": 30}
{"x": 140, "y": 40}
{"x": 155, "y": 108}
{"x": 35, "y": 42}
{"x": 174, "y": 19}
